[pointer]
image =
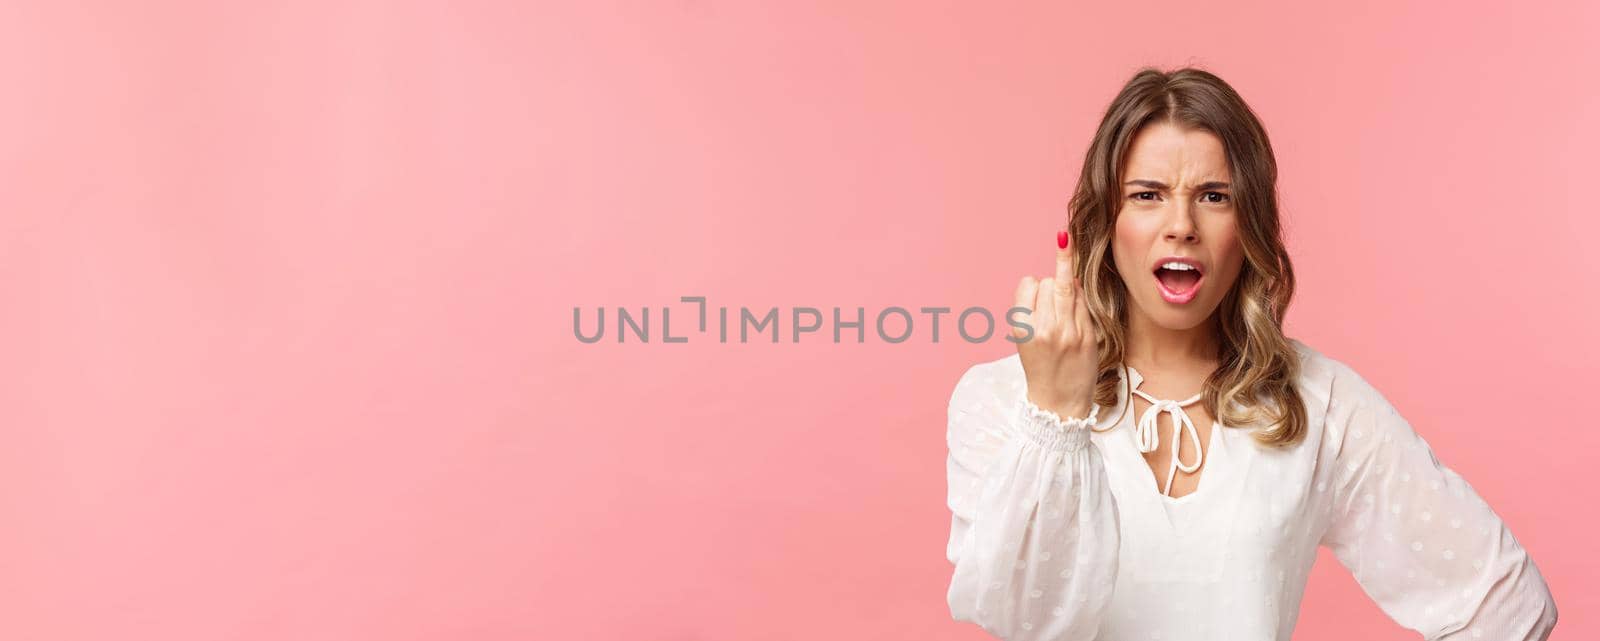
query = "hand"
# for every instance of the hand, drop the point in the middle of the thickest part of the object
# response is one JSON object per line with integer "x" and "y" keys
{"x": 1061, "y": 360}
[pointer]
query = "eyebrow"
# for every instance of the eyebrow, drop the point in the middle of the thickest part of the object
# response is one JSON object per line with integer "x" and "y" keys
{"x": 1156, "y": 184}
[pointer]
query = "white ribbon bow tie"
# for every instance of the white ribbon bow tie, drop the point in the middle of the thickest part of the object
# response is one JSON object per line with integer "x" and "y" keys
{"x": 1149, "y": 439}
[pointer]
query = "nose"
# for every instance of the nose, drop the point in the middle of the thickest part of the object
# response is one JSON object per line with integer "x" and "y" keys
{"x": 1181, "y": 227}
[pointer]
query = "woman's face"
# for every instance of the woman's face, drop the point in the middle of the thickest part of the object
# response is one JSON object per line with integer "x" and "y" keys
{"x": 1177, "y": 203}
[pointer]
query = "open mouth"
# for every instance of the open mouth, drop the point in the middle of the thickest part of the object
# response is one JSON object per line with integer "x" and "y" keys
{"x": 1178, "y": 285}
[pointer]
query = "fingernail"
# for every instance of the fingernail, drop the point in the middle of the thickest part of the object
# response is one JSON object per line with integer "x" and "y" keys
{"x": 1061, "y": 239}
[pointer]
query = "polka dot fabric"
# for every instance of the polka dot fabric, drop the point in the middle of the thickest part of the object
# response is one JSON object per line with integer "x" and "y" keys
{"x": 1060, "y": 531}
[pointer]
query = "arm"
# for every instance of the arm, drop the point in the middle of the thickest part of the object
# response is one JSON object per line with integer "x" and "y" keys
{"x": 1034, "y": 527}
{"x": 1418, "y": 539}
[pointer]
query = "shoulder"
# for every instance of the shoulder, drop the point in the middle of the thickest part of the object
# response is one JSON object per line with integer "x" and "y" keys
{"x": 1317, "y": 370}
{"x": 1326, "y": 380}
{"x": 1327, "y": 386}
{"x": 980, "y": 406}
{"x": 989, "y": 381}
{"x": 1331, "y": 381}
{"x": 1343, "y": 405}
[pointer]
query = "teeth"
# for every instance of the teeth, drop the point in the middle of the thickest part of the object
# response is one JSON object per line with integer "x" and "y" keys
{"x": 1178, "y": 266}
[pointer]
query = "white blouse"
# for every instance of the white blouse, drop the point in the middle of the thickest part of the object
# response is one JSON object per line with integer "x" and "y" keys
{"x": 1061, "y": 532}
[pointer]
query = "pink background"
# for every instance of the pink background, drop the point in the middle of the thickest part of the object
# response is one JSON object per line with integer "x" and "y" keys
{"x": 288, "y": 294}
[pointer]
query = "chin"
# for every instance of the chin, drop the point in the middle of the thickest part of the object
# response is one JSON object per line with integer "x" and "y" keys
{"x": 1180, "y": 321}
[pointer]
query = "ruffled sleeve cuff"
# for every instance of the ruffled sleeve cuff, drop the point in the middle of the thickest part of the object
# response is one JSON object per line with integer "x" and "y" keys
{"x": 1048, "y": 430}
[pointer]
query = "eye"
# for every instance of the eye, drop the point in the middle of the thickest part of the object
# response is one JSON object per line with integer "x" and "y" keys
{"x": 1139, "y": 195}
{"x": 1220, "y": 197}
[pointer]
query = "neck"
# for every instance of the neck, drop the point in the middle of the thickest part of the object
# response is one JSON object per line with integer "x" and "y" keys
{"x": 1151, "y": 347}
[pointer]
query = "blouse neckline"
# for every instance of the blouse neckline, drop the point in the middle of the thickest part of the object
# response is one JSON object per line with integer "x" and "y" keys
{"x": 1146, "y": 436}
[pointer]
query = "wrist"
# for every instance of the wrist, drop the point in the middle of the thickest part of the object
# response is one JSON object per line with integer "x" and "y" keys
{"x": 1065, "y": 410}
{"x": 1048, "y": 429}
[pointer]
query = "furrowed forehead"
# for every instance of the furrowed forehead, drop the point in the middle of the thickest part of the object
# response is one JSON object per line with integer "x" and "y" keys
{"x": 1164, "y": 153}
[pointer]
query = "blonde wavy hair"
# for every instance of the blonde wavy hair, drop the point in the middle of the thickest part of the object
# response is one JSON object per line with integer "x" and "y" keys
{"x": 1254, "y": 385}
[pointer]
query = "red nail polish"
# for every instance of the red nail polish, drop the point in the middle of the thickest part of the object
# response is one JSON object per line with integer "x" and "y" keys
{"x": 1061, "y": 239}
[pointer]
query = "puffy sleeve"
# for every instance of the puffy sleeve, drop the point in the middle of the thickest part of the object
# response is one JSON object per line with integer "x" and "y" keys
{"x": 1034, "y": 527}
{"x": 1421, "y": 543}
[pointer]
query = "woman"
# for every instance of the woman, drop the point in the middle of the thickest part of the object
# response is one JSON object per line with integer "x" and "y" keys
{"x": 1076, "y": 516}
